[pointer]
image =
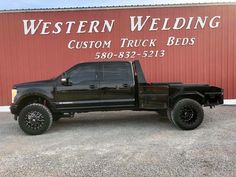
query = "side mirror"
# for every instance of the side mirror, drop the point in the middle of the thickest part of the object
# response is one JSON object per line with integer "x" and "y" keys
{"x": 66, "y": 81}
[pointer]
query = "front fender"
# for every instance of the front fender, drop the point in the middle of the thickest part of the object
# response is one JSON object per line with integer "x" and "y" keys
{"x": 46, "y": 94}
{"x": 23, "y": 94}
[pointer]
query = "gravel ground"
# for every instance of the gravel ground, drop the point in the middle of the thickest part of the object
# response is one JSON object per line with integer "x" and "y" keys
{"x": 120, "y": 144}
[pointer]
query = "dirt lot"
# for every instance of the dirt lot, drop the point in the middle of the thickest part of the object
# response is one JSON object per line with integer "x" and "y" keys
{"x": 122, "y": 143}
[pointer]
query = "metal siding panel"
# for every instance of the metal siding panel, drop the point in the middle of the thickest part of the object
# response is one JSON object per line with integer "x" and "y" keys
{"x": 25, "y": 58}
{"x": 233, "y": 94}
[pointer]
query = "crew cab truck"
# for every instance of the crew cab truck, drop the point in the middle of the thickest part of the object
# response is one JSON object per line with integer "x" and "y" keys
{"x": 105, "y": 86}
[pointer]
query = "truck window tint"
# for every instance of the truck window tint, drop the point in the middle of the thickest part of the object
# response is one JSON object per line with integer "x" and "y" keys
{"x": 83, "y": 73}
{"x": 116, "y": 72}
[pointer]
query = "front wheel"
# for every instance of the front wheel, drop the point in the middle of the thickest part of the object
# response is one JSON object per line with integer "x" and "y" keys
{"x": 35, "y": 119}
{"x": 187, "y": 114}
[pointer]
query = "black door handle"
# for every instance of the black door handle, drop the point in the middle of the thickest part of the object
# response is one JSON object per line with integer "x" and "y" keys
{"x": 125, "y": 85}
{"x": 92, "y": 86}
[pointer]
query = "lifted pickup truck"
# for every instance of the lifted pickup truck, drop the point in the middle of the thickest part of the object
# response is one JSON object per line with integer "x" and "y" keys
{"x": 105, "y": 86}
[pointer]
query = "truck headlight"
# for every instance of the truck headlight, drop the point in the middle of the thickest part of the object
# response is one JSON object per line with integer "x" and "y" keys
{"x": 13, "y": 95}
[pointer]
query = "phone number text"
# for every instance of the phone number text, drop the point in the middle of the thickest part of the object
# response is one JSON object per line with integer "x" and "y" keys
{"x": 131, "y": 54}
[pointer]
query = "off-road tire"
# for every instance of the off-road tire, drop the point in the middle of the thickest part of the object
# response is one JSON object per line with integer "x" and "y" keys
{"x": 187, "y": 114}
{"x": 35, "y": 119}
{"x": 169, "y": 114}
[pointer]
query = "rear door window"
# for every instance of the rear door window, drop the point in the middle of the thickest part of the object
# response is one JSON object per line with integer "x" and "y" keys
{"x": 117, "y": 71}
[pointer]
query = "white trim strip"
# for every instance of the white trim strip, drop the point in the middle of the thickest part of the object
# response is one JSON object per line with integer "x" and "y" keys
{"x": 229, "y": 101}
{"x": 97, "y": 101}
{"x": 4, "y": 108}
{"x": 226, "y": 102}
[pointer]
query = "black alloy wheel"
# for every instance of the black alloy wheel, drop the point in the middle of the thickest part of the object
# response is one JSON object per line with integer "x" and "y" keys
{"x": 187, "y": 114}
{"x": 35, "y": 119}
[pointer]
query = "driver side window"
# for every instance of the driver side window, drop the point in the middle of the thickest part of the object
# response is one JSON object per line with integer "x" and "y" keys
{"x": 83, "y": 73}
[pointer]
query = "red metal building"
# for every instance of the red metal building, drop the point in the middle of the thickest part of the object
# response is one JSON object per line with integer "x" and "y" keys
{"x": 189, "y": 43}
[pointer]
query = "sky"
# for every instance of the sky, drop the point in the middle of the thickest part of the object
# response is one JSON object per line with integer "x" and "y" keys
{"x": 27, "y": 4}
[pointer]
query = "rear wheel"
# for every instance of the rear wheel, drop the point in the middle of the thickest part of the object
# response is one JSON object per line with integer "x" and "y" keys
{"x": 187, "y": 114}
{"x": 35, "y": 119}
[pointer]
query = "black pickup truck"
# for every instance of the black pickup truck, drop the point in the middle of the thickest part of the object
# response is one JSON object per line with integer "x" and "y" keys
{"x": 105, "y": 86}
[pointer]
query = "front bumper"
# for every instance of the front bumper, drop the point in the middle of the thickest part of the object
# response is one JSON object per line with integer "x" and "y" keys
{"x": 14, "y": 109}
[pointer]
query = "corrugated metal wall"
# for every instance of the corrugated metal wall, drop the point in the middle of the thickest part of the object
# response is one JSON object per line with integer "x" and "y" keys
{"x": 32, "y": 57}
